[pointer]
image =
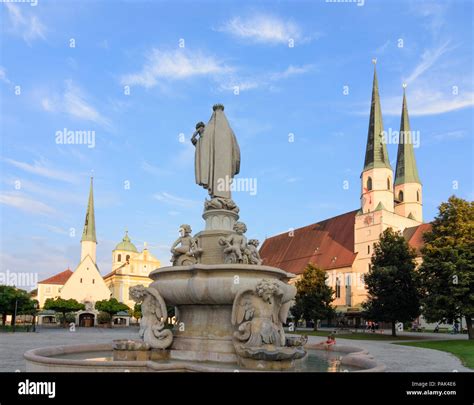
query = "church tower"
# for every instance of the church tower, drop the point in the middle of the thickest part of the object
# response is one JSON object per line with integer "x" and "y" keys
{"x": 377, "y": 175}
{"x": 408, "y": 199}
{"x": 89, "y": 240}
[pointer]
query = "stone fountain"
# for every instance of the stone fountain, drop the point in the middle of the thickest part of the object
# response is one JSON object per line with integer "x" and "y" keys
{"x": 229, "y": 307}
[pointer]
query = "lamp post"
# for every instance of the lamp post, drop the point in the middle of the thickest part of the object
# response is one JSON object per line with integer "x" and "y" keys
{"x": 14, "y": 316}
{"x": 34, "y": 316}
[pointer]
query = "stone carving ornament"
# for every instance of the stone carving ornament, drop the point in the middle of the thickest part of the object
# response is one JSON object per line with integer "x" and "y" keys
{"x": 185, "y": 249}
{"x": 154, "y": 315}
{"x": 237, "y": 249}
{"x": 259, "y": 313}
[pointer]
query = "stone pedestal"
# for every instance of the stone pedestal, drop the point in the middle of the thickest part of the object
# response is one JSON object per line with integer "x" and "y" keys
{"x": 219, "y": 223}
{"x": 221, "y": 220}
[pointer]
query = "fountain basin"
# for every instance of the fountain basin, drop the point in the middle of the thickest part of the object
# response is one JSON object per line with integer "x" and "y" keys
{"x": 99, "y": 358}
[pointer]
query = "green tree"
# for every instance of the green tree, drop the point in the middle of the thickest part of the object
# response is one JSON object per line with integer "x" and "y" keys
{"x": 447, "y": 272}
{"x": 314, "y": 296}
{"x": 63, "y": 306}
{"x": 393, "y": 294}
{"x": 11, "y": 297}
{"x": 136, "y": 312}
{"x": 111, "y": 307}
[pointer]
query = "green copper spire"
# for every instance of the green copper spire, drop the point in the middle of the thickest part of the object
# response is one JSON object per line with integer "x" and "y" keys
{"x": 376, "y": 151}
{"x": 406, "y": 171}
{"x": 89, "y": 224}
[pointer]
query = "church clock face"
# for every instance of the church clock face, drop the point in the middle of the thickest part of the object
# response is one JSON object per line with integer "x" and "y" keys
{"x": 368, "y": 220}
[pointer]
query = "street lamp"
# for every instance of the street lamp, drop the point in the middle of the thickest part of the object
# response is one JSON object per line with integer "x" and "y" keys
{"x": 35, "y": 305}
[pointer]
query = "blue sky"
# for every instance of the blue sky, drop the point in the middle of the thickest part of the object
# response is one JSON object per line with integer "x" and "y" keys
{"x": 65, "y": 65}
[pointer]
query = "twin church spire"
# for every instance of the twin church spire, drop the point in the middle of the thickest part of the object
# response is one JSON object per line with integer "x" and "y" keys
{"x": 379, "y": 191}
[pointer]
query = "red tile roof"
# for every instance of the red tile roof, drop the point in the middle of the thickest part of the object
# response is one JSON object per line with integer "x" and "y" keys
{"x": 59, "y": 278}
{"x": 414, "y": 236}
{"x": 328, "y": 244}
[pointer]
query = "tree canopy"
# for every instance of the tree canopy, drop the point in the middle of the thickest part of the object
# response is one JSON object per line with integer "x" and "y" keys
{"x": 392, "y": 288}
{"x": 447, "y": 272}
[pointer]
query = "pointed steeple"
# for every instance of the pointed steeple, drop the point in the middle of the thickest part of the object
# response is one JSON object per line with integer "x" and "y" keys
{"x": 376, "y": 154}
{"x": 406, "y": 171}
{"x": 89, "y": 225}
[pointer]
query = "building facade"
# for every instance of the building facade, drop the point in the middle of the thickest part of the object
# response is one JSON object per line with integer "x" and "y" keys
{"x": 343, "y": 245}
{"x": 86, "y": 284}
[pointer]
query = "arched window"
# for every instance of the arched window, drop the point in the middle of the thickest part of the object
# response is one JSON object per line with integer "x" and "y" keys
{"x": 418, "y": 195}
{"x": 388, "y": 183}
{"x": 400, "y": 196}
{"x": 81, "y": 280}
{"x": 369, "y": 183}
{"x": 119, "y": 258}
{"x": 127, "y": 258}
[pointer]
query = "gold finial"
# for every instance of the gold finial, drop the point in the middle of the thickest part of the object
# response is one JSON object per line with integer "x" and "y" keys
{"x": 404, "y": 85}
{"x": 374, "y": 61}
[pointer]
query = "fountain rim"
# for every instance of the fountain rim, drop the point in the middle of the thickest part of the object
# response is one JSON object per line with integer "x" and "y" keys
{"x": 231, "y": 268}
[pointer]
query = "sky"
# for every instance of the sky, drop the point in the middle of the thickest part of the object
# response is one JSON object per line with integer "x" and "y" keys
{"x": 295, "y": 79}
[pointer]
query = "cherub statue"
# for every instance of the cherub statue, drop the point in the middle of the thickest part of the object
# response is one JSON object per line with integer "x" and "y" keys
{"x": 235, "y": 245}
{"x": 154, "y": 315}
{"x": 185, "y": 249}
{"x": 252, "y": 252}
{"x": 260, "y": 312}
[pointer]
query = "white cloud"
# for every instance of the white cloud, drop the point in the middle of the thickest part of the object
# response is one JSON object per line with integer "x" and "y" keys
{"x": 450, "y": 135}
{"x": 175, "y": 201}
{"x": 266, "y": 80}
{"x": 263, "y": 29}
{"x": 291, "y": 71}
{"x": 155, "y": 170}
{"x": 41, "y": 168}
{"x": 428, "y": 101}
{"x": 73, "y": 101}
{"x": 25, "y": 203}
{"x": 29, "y": 27}
{"x": 174, "y": 65}
{"x": 428, "y": 58}
{"x": 3, "y": 75}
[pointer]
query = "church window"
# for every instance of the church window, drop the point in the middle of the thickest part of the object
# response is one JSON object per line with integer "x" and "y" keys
{"x": 127, "y": 258}
{"x": 368, "y": 249}
{"x": 388, "y": 183}
{"x": 418, "y": 195}
{"x": 93, "y": 281}
{"x": 369, "y": 183}
{"x": 400, "y": 196}
{"x": 119, "y": 258}
{"x": 81, "y": 280}
{"x": 370, "y": 267}
{"x": 338, "y": 288}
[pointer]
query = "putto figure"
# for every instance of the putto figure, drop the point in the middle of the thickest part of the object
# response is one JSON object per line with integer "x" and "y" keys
{"x": 217, "y": 157}
{"x": 252, "y": 252}
{"x": 185, "y": 249}
{"x": 235, "y": 245}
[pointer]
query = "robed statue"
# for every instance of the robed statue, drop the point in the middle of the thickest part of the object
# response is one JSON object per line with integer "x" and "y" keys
{"x": 217, "y": 157}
